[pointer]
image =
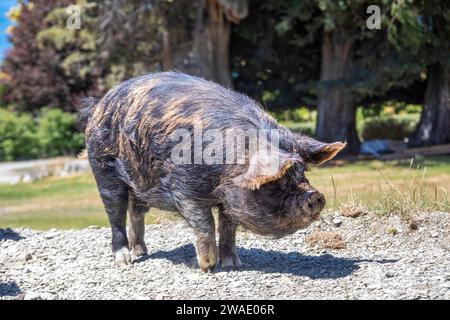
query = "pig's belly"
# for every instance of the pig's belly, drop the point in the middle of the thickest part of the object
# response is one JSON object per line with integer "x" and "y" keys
{"x": 159, "y": 197}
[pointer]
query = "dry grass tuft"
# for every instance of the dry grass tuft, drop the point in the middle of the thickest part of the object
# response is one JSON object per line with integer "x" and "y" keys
{"x": 406, "y": 199}
{"x": 325, "y": 240}
{"x": 353, "y": 208}
{"x": 412, "y": 199}
{"x": 392, "y": 230}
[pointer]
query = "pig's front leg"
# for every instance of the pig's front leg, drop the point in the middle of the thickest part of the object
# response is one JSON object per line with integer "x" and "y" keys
{"x": 136, "y": 231}
{"x": 227, "y": 242}
{"x": 202, "y": 221}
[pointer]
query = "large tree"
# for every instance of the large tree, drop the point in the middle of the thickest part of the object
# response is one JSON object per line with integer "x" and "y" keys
{"x": 52, "y": 65}
{"x": 434, "y": 125}
{"x": 356, "y": 62}
{"x": 130, "y": 36}
{"x": 28, "y": 76}
{"x": 272, "y": 61}
{"x": 74, "y": 53}
{"x": 211, "y": 37}
{"x": 191, "y": 36}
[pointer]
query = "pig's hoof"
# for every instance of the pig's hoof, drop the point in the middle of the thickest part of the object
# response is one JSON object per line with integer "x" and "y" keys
{"x": 139, "y": 249}
{"x": 232, "y": 262}
{"x": 122, "y": 258}
{"x": 207, "y": 263}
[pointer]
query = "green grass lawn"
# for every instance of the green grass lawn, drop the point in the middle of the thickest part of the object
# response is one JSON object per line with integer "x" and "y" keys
{"x": 74, "y": 202}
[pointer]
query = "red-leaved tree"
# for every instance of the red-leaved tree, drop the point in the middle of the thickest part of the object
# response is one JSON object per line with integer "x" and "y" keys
{"x": 31, "y": 78}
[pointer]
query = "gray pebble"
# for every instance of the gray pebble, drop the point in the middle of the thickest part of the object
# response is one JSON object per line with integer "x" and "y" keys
{"x": 337, "y": 222}
{"x": 390, "y": 274}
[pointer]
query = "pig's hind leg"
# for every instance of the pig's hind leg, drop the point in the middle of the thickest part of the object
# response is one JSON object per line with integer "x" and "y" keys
{"x": 136, "y": 230}
{"x": 228, "y": 257}
{"x": 114, "y": 194}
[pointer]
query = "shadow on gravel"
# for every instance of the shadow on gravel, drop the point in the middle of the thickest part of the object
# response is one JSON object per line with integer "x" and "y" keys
{"x": 9, "y": 289}
{"x": 325, "y": 266}
{"x": 9, "y": 234}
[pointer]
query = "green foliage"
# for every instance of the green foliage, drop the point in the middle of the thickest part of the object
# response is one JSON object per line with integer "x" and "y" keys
{"x": 267, "y": 60}
{"x": 269, "y": 96}
{"x": 382, "y": 59}
{"x": 52, "y": 133}
{"x": 275, "y": 55}
{"x": 301, "y": 114}
{"x": 76, "y": 49}
{"x": 405, "y": 35}
{"x": 396, "y": 127}
{"x": 17, "y": 136}
{"x": 130, "y": 35}
{"x": 31, "y": 71}
{"x": 307, "y": 128}
{"x": 389, "y": 108}
{"x": 299, "y": 120}
{"x": 56, "y": 133}
{"x": 2, "y": 94}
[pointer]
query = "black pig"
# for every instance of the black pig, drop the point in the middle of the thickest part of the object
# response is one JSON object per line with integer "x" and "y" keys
{"x": 130, "y": 143}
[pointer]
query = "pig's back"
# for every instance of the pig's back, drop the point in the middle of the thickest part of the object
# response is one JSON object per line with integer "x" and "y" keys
{"x": 142, "y": 110}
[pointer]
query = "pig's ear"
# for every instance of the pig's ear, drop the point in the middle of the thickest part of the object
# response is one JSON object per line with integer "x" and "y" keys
{"x": 266, "y": 166}
{"x": 316, "y": 152}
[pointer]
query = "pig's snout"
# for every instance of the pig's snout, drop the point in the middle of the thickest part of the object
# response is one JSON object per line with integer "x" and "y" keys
{"x": 314, "y": 202}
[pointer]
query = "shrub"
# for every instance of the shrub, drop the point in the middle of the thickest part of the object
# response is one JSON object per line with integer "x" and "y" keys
{"x": 56, "y": 133}
{"x": 396, "y": 127}
{"x": 51, "y": 134}
{"x": 301, "y": 114}
{"x": 17, "y": 136}
{"x": 389, "y": 108}
{"x": 307, "y": 128}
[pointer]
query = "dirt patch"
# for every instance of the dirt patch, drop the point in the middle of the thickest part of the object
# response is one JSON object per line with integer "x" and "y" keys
{"x": 325, "y": 240}
{"x": 352, "y": 210}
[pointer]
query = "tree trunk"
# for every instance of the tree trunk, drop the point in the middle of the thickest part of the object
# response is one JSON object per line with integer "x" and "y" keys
{"x": 211, "y": 44}
{"x": 218, "y": 39}
{"x": 166, "y": 51}
{"x": 336, "y": 112}
{"x": 208, "y": 56}
{"x": 434, "y": 125}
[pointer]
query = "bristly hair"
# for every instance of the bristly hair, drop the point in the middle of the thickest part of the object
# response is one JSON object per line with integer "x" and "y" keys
{"x": 85, "y": 110}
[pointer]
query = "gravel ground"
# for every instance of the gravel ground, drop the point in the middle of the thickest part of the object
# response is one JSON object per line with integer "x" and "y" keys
{"x": 383, "y": 258}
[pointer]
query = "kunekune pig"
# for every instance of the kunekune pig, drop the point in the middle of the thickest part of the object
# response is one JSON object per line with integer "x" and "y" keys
{"x": 130, "y": 151}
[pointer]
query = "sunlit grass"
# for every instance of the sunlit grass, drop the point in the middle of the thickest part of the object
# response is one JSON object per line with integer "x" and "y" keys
{"x": 66, "y": 203}
{"x": 53, "y": 202}
{"x": 397, "y": 187}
